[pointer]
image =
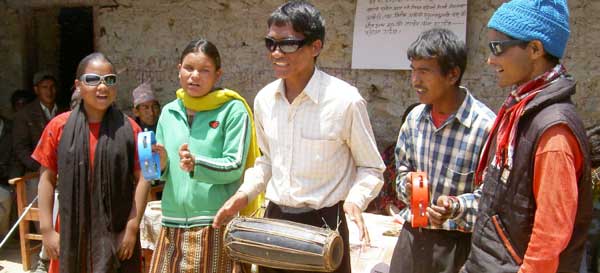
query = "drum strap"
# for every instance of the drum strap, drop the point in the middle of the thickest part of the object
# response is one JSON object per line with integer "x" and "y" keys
{"x": 338, "y": 222}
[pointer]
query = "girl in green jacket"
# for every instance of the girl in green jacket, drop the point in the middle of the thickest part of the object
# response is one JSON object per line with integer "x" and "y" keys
{"x": 205, "y": 139}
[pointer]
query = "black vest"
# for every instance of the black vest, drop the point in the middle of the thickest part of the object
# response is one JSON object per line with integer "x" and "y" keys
{"x": 507, "y": 206}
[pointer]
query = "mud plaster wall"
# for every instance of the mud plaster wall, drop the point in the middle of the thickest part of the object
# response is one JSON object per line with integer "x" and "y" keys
{"x": 145, "y": 38}
{"x": 12, "y": 50}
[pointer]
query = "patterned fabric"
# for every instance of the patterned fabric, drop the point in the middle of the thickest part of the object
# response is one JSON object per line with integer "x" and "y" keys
{"x": 448, "y": 154}
{"x": 388, "y": 194}
{"x": 190, "y": 250}
{"x": 505, "y": 126}
{"x": 596, "y": 183}
{"x": 150, "y": 226}
{"x": 318, "y": 149}
{"x": 595, "y": 225}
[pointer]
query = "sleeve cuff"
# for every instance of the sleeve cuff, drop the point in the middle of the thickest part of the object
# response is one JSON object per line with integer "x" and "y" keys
{"x": 163, "y": 173}
{"x": 249, "y": 190}
{"x": 358, "y": 202}
{"x": 364, "y": 190}
{"x": 197, "y": 169}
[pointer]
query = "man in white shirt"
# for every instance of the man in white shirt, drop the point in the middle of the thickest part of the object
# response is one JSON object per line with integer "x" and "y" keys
{"x": 320, "y": 159}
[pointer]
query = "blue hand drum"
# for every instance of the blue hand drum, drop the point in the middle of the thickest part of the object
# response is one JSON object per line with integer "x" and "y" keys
{"x": 149, "y": 161}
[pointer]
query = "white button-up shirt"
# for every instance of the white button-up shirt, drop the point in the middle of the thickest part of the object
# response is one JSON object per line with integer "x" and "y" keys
{"x": 318, "y": 150}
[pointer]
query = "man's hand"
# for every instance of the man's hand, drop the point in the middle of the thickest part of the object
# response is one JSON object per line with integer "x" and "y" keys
{"x": 162, "y": 153}
{"x": 235, "y": 203}
{"x": 127, "y": 240}
{"x": 355, "y": 215}
{"x": 186, "y": 159}
{"x": 51, "y": 241}
{"x": 438, "y": 214}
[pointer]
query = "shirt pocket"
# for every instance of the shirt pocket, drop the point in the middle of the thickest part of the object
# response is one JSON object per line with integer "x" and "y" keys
{"x": 461, "y": 164}
{"x": 319, "y": 156}
{"x": 322, "y": 126}
{"x": 458, "y": 175}
{"x": 460, "y": 167}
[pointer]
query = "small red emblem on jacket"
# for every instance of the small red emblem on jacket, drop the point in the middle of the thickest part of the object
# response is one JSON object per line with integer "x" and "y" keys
{"x": 213, "y": 124}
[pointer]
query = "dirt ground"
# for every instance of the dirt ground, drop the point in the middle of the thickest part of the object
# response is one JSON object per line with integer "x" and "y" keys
{"x": 10, "y": 257}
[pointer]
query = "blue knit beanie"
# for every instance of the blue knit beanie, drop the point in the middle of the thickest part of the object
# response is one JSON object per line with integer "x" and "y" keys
{"x": 528, "y": 20}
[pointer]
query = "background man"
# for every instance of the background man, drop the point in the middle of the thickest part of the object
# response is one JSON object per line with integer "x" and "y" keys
{"x": 441, "y": 137}
{"x": 27, "y": 128}
{"x": 20, "y": 98}
{"x": 535, "y": 201}
{"x": 146, "y": 107}
{"x": 30, "y": 121}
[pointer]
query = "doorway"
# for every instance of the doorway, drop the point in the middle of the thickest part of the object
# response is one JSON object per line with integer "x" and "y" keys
{"x": 63, "y": 36}
{"x": 76, "y": 41}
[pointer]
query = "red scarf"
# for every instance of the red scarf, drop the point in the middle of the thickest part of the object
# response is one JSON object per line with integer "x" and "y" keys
{"x": 507, "y": 121}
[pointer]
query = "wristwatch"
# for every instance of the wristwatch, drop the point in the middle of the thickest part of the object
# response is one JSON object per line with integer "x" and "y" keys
{"x": 455, "y": 206}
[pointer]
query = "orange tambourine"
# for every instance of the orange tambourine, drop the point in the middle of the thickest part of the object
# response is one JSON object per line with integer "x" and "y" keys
{"x": 419, "y": 200}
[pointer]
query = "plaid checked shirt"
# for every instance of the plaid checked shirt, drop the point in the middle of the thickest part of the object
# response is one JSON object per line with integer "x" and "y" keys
{"x": 448, "y": 154}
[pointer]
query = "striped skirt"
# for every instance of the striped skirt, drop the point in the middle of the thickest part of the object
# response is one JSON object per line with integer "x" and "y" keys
{"x": 190, "y": 250}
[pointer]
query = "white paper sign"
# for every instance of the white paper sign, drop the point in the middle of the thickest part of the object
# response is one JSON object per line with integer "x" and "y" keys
{"x": 384, "y": 29}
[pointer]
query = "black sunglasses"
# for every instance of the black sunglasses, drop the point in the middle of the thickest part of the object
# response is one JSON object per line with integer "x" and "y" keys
{"x": 285, "y": 46}
{"x": 498, "y": 47}
{"x": 95, "y": 79}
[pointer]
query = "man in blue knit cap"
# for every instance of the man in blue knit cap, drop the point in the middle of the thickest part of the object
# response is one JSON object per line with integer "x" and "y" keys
{"x": 535, "y": 199}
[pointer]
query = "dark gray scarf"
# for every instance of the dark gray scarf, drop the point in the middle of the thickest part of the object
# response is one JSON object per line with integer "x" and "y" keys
{"x": 94, "y": 203}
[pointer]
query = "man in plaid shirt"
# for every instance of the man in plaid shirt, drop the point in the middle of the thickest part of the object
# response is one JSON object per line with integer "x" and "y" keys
{"x": 441, "y": 137}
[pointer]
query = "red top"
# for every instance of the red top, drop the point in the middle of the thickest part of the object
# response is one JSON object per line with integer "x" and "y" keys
{"x": 47, "y": 149}
{"x": 438, "y": 118}
{"x": 558, "y": 164}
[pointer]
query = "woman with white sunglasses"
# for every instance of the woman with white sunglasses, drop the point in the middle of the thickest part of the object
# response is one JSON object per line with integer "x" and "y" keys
{"x": 89, "y": 155}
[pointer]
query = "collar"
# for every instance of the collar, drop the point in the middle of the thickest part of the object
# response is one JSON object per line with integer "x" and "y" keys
{"x": 177, "y": 107}
{"x": 143, "y": 124}
{"x": 464, "y": 114}
{"x": 49, "y": 113}
{"x": 312, "y": 89}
